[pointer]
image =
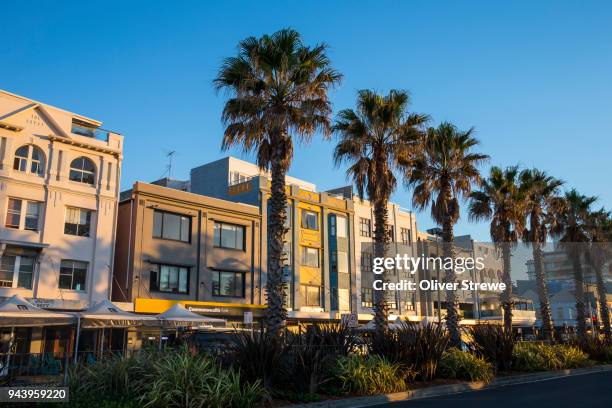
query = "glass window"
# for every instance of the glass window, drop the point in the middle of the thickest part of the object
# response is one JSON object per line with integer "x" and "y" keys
{"x": 227, "y": 283}
{"x": 7, "y": 270}
{"x": 73, "y": 275}
{"x": 26, "y": 271}
{"x": 82, "y": 170}
{"x": 366, "y": 262}
{"x": 310, "y": 220}
{"x": 405, "y": 233}
{"x": 168, "y": 225}
{"x": 365, "y": 227}
{"x": 341, "y": 225}
{"x": 310, "y": 257}
{"x": 228, "y": 236}
{"x": 391, "y": 231}
{"x": 18, "y": 219}
{"x": 78, "y": 222}
{"x": 173, "y": 279}
{"x": 18, "y": 270}
{"x": 13, "y": 215}
{"x": 367, "y": 299}
{"x": 311, "y": 295}
{"x": 343, "y": 264}
{"x": 29, "y": 154}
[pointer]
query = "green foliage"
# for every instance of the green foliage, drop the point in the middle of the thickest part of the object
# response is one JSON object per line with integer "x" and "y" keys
{"x": 494, "y": 344}
{"x": 462, "y": 365}
{"x": 598, "y": 349}
{"x": 541, "y": 357}
{"x": 175, "y": 378}
{"x": 416, "y": 347}
{"x": 368, "y": 375}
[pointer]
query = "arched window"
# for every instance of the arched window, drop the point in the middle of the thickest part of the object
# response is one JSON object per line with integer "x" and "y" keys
{"x": 29, "y": 158}
{"x": 82, "y": 170}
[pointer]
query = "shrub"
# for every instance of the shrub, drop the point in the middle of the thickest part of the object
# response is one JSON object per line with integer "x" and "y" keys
{"x": 596, "y": 348}
{"x": 542, "y": 357}
{"x": 414, "y": 346}
{"x": 368, "y": 375}
{"x": 493, "y": 344}
{"x": 462, "y": 365}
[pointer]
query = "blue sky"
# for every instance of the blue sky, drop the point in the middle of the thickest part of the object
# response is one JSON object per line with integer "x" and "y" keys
{"x": 533, "y": 78}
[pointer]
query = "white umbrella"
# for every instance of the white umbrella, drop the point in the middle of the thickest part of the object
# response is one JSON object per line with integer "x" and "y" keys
{"x": 18, "y": 312}
{"x": 178, "y": 316}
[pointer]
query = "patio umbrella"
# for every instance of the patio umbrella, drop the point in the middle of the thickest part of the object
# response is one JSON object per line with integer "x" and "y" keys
{"x": 18, "y": 312}
{"x": 178, "y": 316}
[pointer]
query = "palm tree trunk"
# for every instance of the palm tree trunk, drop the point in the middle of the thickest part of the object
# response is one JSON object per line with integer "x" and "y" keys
{"x": 452, "y": 302}
{"x": 579, "y": 294}
{"x": 506, "y": 295}
{"x": 603, "y": 305}
{"x": 276, "y": 313}
{"x": 545, "y": 312}
{"x": 381, "y": 240}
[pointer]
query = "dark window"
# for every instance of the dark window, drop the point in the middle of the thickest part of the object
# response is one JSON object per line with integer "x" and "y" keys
{"x": 14, "y": 214}
{"x": 311, "y": 295}
{"x": 310, "y": 220}
{"x": 172, "y": 226}
{"x": 170, "y": 278}
{"x": 226, "y": 283}
{"x": 391, "y": 231}
{"x": 229, "y": 236}
{"x": 367, "y": 299}
{"x": 73, "y": 275}
{"x": 82, "y": 170}
{"x": 365, "y": 227}
{"x": 78, "y": 222}
{"x": 32, "y": 155}
{"x": 366, "y": 262}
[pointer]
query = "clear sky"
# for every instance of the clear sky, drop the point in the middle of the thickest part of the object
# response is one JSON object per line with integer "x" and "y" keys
{"x": 534, "y": 78}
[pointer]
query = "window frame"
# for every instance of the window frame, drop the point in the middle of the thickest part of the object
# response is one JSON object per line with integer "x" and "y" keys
{"x": 161, "y": 236}
{"x": 405, "y": 236}
{"x": 367, "y": 223}
{"x": 28, "y": 160}
{"x": 304, "y": 250}
{"x": 155, "y": 284}
{"x": 306, "y": 297}
{"x": 366, "y": 267}
{"x": 82, "y": 171}
{"x": 216, "y": 291}
{"x": 24, "y": 205}
{"x": 220, "y": 245}
{"x": 17, "y": 272}
{"x": 370, "y": 295}
{"x": 89, "y": 218}
{"x": 304, "y": 223}
{"x": 72, "y": 275}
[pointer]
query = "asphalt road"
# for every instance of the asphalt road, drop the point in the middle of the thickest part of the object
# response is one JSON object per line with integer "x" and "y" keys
{"x": 580, "y": 391}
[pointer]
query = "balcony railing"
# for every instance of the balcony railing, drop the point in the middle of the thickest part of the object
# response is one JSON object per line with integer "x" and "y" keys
{"x": 94, "y": 133}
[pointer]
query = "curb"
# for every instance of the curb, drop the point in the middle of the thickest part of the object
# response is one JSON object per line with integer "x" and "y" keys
{"x": 442, "y": 390}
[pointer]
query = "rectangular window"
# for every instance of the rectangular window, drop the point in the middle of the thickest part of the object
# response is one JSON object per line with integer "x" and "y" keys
{"x": 367, "y": 299}
{"x": 341, "y": 225}
{"x": 73, "y": 275}
{"x": 310, "y": 257}
{"x": 17, "y": 218}
{"x": 311, "y": 295}
{"x": 16, "y": 271}
{"x": 405, "y": 235}
{"x": 366, "y": 262}
{"x": 310, "y": 220}
{"x": 391, "y": 231}
{"x": 78, "y": 222}
{"x": 342, "y": 261}
{"x": 7, "y": 270}
{"x": 365, "y": 227}
{"x": 229, "y": 236}
{"x": 170, "y": 278}
{"x": 167, "y": 225}
{"x": 226, "y": 283}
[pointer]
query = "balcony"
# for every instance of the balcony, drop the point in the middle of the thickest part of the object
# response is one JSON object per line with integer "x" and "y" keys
{"x": 89, "y": 131}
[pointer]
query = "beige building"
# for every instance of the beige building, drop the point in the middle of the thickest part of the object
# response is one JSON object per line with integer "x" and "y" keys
{"x": 59, "y": 181}
{"x": 175, "y": 246}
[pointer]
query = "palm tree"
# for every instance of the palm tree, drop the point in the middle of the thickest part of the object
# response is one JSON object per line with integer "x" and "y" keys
{"x": 600, "y": 253}
{"x": 378, "y": 140}
{"x": 542, "y": 194}
{"x": 278, "y": 89}
{"x": 442, "y": 175}
{"x": 572, "y": 226}
{"x": 503, "y": 202}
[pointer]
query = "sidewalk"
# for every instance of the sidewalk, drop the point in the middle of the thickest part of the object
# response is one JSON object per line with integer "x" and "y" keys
{"x": 441, "y": 390}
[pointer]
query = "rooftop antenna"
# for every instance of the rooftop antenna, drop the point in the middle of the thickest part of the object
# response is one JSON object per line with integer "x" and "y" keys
{"x": 170, "y": 155}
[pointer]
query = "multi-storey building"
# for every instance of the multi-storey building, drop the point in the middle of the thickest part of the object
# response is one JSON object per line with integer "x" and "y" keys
{"x": 175, "y": 246}
{"x": 319, "y": 249}
{"x": 59, "y": 181}
{"x": 59, "y": 187}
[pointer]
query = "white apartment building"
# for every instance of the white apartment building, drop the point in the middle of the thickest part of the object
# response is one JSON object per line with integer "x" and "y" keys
{"x": 59, "y": 187}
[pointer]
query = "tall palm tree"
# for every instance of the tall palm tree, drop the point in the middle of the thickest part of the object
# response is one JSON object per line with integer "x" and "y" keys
{"x": 541, "y": 192}
{"x": 278, "y": 90}
{"x": 442, "y": 175}
{"x": 378, "y": 139}
{"x": 573, "y": 228}
{"x": 600, "y": 252}
{"x": 503, "y": 202}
